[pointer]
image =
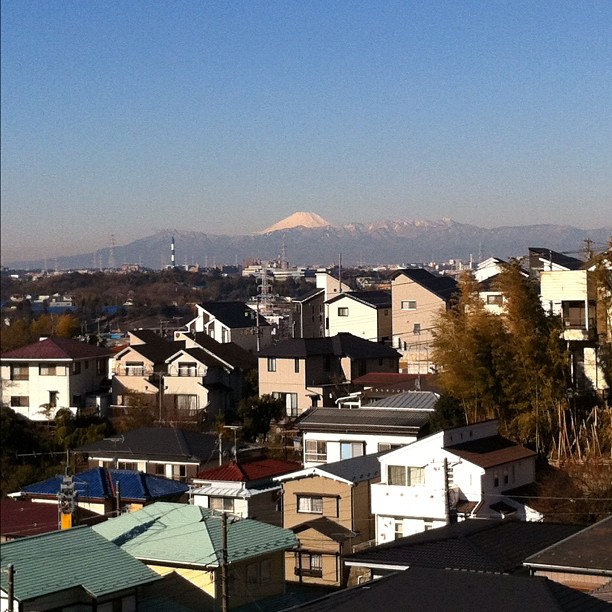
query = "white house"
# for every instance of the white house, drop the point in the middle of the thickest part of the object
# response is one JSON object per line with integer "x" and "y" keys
{"x": 40, "y": 378}
{"x": 335, "y": 434}
{"x": 365, "y": 314}
{"x": 453, "y": 474}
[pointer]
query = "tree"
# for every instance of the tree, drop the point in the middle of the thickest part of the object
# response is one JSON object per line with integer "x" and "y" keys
{"x": 67, "y": 326}
{"x": 257, "y": 413}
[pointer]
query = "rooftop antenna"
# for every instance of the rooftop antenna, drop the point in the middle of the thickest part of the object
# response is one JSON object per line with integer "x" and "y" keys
{"x": 172, "y": 254}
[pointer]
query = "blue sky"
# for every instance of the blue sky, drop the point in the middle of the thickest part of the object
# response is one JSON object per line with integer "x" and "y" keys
{"x": 124, "y": 117}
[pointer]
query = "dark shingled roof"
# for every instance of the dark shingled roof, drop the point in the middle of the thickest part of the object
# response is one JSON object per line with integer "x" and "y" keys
{"x": 147, "y": 336}
{"x": 559, "y": 259}
{"x": 371, "y": 420}
{"x": 377, "y": 299}
{"x": 234, "y": 314}
{"x": 58, "y": 348}
{"x": 356, "y": 469}
{"x": 491, "y": 451}
{"x": 340, "y": 345}
{"x": 589, "y": 550}
{"x": 229, "y": 352}
{"x": 326, "y": 527}
{"x": 484, "y": 545}
{"x": 309, "y": 295}
{"x": 443, "y": 286}
{"x": 158, "y": 352}
{"x": 417, "y": 589}
{"x": 157, "y": 443}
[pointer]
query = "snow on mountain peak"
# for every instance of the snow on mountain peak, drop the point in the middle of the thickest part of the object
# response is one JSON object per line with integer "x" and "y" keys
{"x": 308, "y": 220}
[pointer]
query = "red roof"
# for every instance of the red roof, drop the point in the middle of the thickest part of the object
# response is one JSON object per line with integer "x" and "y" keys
{"x": 57, "y": 348}
{"x": 20, "y": 518}
{"x": 253, "y": 470}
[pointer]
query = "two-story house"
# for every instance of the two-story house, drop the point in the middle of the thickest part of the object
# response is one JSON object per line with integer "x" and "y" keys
{"x": 334, "y": 434}
{"x": 40, "y": 378}
{"x": 418, "y": 297}
{"x": 243, "y": 489}
{"x": 309, "y": 309}
{"x": 232, "y": 322}
{"x": 451, "y": 474}
{"x": 365, "y": 314}
{"x": 307, "y": 372}
{"x": 328, "y": 508}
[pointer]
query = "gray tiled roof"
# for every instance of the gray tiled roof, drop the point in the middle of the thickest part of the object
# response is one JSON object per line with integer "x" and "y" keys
{"x": 417, "y": 400}
{"x": 589, "y": 549}
{"x": 475, "y": 544}
{"x": 356, "y": 469}
{"x": 372, "y": 420}
{"x": 417, "y": 589}
{"x": 377, "y": 299}
{"x": 340, "y": 345}
{"x": 234, "y": 315}
{"x": 442, "y": 286}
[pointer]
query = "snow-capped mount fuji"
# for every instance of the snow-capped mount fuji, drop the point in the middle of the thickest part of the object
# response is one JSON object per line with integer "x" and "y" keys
{"x": 309, "y": 240}
{"x": 307, "y": 220}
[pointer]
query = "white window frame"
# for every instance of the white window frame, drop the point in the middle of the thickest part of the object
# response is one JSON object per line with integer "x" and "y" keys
{"x": 315, "y": 450}
{"x": 409, "y": 305}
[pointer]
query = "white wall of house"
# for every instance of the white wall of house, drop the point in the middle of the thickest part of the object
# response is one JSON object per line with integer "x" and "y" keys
{"x": 346, "y": 314}
{"x": 28, "y": 386}
{"x": 334, "y": 449}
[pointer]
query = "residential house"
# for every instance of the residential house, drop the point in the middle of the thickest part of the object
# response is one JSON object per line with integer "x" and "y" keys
{"x": 572, "y": 296}
{"x": 40, "y": 378}
{"x": 22, "y": 518}
{"x": 108, "y": 491}
{"x": 582, "y": 560}
{"x": 473, "y": 545}
{"x": 164, "y": 451}
{"x": 420, "y": 588}
{"x": 187, "y": 540}
{"x": 306, "y": 372}
{"x": 334, "y": 434}
{"x": 417, "y": 298}
{"x": 453, "y": 474}
{"x": 75, "y": 569}
{"x": 232, "y": 322}
{"x": 328, "y": 508}
{"x": 365, "y": 314}
{"x": 542, "y": 258}
{"x": 243, "y": 489}
{"x": 309, "y": 309}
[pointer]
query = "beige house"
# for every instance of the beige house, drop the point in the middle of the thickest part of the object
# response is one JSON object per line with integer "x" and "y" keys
{"x": 417, "y": 297}
{"x": 328, "y": 508}
{"x": 307, "y": 372}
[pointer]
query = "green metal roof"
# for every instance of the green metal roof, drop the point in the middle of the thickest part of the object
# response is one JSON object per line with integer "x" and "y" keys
{"x": 182, "y": 534}
{"x": 60, "y": 560}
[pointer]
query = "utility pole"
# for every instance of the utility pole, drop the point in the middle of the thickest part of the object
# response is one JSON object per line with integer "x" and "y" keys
{"x": 224, "y": 585}
{"x": 66, "y": 501}
{"x": 10, "y": 583}
{"x": 446, "y": 500}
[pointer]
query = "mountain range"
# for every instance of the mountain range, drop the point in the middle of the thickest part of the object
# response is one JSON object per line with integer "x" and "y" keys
{"x": 307, "y": 239}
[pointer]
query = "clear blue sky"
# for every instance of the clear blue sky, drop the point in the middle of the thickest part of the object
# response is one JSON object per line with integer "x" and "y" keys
{"x": 125, "y": 117}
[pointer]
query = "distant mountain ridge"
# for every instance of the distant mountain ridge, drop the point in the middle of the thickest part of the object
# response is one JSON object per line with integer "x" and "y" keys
{"x": 376, "y": 243}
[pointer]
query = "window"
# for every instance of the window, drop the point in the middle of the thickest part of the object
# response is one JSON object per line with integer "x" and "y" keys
{"x": 20, "y": 372}
{"x": 127, "y": 465}
{"x": 403, "y": 476}
{"x": 385, "y": 446}
{"x": 307, "y": 564}
{"x": 100, "y": 367}
{"x": 20, "y": 401}
{"x": 271, "y": 364}
{"x": 416, "y": 329}
{"x": 409, "y": 304}
{"x": 51, "y": 369}
{"x": 506, "y": 476}
{"x": 296, "y": 366}
{"x": 398, "y": 528}
{"x": 186, "y": 403}
{"x": 496, "y": 300}
{"x": 291, "y": 402}
{"x": 77, "y": 400}
{"x": 76, "y": 367}
{"x": 348, "y": 450}
{"x": 259, "y": 573}
{"x": 160, "y": 469}
{"x": 134, "y": 368}
{"x": 179, "y": 472}
{"x": 315, "y": 450}
{"x": 343, "y": 311}
{"x": 53, "y": 399}
{"x": 187, "y": 368}
{"x": 496, "y": 478}
{"x": 311, "y": 504}
{"x": 222, "y": 504}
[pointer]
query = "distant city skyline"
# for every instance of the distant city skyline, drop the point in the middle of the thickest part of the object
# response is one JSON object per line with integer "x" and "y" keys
{"x": 126, "y": 117}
